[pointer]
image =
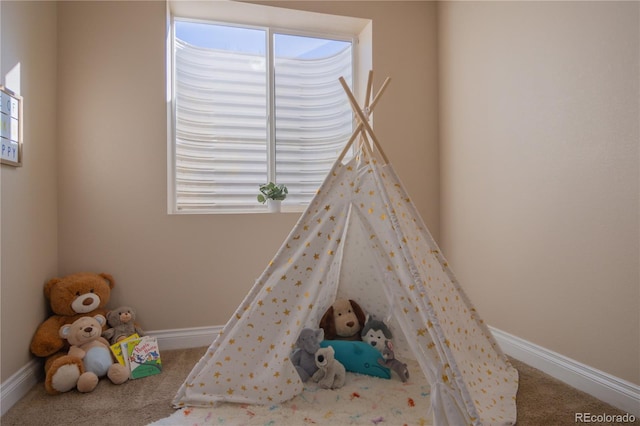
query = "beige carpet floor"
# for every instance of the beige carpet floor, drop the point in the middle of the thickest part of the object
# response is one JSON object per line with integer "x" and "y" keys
{"x": 541, "y": 400}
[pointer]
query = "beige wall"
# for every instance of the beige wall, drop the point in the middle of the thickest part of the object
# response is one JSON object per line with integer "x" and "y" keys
{"x": 539, "y": 141}
{"x": 194, "y": 270}
{"x": 29, "y": 254}
{"x": 539, "y": 155}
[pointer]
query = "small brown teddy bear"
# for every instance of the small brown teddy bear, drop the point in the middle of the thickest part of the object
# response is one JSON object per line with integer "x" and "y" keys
{"x": 343, "y": 321}
{"x": 122, "y": 324}
{"x": 70, "y": 298}
{"x": 86, "y": 344}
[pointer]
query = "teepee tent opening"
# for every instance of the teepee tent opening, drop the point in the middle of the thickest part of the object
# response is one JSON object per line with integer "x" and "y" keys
{"x": 361, "y": 237}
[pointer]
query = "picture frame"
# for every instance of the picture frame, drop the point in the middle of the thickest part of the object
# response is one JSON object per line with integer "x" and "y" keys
{"x": 10, "y": 128}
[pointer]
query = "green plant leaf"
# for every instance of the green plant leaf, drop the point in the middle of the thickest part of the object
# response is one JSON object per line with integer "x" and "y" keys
{"x": 271, "y": 191}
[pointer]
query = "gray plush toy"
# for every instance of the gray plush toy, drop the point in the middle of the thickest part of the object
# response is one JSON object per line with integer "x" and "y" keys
{"x": 331, "y": 373}
{"x": 122, "y": 323}
{"x": 303, "y": 356}
{"x": 375, "y": 332}
{"x": 390, "y": 361}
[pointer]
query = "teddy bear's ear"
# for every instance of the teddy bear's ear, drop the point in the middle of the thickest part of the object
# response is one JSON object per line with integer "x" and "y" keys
{"x": 109, "y": 279}
{"x": 64, "y": 331}
{"x": 112, "y": 315}
{"x": 101, "y": 319}
{"x": 49, "y": 286}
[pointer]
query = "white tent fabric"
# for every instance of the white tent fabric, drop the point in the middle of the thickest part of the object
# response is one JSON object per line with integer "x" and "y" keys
{"x": 361, "y": 237}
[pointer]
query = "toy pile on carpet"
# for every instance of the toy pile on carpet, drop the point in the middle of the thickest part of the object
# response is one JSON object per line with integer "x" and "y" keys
{"x": 363, "y": 400}
{"x": 83, "y": 341}
{"x": 346, "y": 365}
{"x": 347, "y": 340}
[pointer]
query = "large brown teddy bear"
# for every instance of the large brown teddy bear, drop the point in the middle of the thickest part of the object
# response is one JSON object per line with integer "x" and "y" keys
{"x": 70, "y": 297}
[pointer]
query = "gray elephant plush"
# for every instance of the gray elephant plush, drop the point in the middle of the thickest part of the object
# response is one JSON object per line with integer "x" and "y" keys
{"x": 303, "y": 356}
{"x": 122, "y": 324}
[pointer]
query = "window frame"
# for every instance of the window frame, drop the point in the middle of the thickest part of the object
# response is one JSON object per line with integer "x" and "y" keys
{"x": 270, "y": 32}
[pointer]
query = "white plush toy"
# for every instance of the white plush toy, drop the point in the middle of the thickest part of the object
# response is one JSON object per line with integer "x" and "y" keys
{"x": 331, "y": 373}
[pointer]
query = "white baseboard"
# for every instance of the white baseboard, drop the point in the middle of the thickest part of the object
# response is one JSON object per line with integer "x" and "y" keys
{"x": 19, "y": 384}
{"x": 615, "y": 391}
{"x": 610, "y": 389}
{"x": 185, "y": 338}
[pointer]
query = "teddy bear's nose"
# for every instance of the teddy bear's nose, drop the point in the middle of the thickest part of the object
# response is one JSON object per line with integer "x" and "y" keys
{"x": 88, "y": 329}
{"x": 374, "y": 343}
{"x": 320, "y": 358}
{"x": 88, "y": 301}
{"x": 350, "y": 324}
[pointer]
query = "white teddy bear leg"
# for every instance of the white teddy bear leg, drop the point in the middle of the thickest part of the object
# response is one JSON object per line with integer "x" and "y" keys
{"x": 62, "y": 374}
{"x": 65, "y": 378}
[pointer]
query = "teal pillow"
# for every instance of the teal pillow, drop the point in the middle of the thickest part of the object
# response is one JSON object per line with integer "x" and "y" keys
{"x": 358, "y": 357}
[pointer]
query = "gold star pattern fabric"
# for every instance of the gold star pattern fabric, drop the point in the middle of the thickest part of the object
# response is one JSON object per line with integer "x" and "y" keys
{"x": 362, "y": 238}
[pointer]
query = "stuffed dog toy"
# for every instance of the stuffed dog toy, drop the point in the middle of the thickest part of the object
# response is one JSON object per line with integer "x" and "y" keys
{"x": 375, "y": 332}
{"x": 343, "y": 321}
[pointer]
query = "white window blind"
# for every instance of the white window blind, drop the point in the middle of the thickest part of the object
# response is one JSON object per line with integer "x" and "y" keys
{"x": 223, "y": 120}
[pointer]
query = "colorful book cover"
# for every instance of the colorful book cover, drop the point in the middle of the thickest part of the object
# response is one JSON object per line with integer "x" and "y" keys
{"x": 143, "y": 357}
{"x": 116, "y": 348}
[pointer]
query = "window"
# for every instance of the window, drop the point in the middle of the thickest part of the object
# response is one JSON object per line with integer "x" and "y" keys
{"x": 253, "y": 104}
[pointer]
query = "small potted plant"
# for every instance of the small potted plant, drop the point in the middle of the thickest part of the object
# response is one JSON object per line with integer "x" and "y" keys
{"x": 273, "y": 195}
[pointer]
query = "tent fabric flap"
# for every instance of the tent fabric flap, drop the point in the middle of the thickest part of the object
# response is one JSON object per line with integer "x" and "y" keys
{"x": 361, "y": 237}
{"x": 362, "y": 202}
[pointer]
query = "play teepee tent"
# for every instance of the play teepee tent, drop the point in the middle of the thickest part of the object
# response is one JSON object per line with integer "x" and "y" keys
{"x": 361, "y": 237}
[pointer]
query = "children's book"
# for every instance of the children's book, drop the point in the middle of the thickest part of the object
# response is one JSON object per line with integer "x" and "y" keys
{"x": 142, "y": 356}
{"x": 116, "y": 348}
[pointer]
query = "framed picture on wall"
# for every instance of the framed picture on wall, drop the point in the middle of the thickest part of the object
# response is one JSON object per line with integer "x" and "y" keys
{"x": 10, "y": 127}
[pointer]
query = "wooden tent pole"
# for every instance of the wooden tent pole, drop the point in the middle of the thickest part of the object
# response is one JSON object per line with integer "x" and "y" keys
{"x": 363, "y": 119}
{"x": 367, "y": 97}
{"x": 373, "y": 105}
{"x": 350, "y": 142}
{"x": 379, "y": 94}
{"x": 367, "y": 146}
